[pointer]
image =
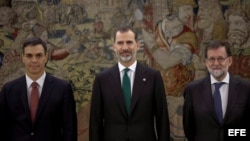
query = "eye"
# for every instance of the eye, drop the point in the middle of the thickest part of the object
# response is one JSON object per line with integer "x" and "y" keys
{"x": 39, "y": 55}
{"x": 129, "y": 42}
{"x": 220, "y": 59}
{"x": 28, "y": 56}
{"x": 119, "y": 43}
{"x": 211, "y": 59}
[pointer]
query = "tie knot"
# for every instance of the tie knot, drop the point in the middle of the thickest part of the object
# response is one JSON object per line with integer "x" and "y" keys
{"x": 218, "y": 85}
{"x": 34, "y": 84}
{"x": 126, "y": 70}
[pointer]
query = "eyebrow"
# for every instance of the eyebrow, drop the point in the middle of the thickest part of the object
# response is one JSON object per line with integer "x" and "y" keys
{"x": 129, "y": 41}
{"x": 34, "y": 54}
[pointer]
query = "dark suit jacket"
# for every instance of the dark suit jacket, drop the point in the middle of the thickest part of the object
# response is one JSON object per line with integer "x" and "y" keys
{"x": 199, "y": 117}
{"x": 109, "y": 120}
{"x": 55, "y": 118}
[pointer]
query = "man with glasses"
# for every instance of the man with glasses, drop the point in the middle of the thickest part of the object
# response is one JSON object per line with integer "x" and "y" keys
{"x": 218, "y": 102}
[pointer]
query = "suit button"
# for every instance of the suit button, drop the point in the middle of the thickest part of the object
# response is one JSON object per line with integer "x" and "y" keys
{"x": 32, "y": 133}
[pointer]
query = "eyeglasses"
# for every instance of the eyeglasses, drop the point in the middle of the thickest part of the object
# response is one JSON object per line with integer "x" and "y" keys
{"x": 219, "y": 59}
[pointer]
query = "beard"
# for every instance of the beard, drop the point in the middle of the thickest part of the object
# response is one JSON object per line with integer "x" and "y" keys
{"x": 125, "y": 58}
{"x": 130, "y": 56}
{"x": 218, "y": 73}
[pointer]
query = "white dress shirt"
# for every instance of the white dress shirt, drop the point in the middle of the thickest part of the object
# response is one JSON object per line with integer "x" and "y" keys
{"x": 131, "y": 73}
{"x": 40, "y": 82}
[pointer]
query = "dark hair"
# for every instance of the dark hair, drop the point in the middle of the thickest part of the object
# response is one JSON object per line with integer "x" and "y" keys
{"x": 217, "y": 44}
{"x": 34, "y": 41}
{"x": 125, "y": 28}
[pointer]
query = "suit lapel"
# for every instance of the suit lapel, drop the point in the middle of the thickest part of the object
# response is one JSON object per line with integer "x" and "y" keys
{"x": 115, "y": 73}
{"x": 209, "y": 97}
{"x": 138, "y": 85}
{"x": 232, "y": 96}
{"x": 24, "y": 96}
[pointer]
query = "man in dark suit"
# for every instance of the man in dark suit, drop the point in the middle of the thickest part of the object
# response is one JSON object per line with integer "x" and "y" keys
{"x": 37, "y": 106}
{"x": 141, "y": 115}
{"x": 218, "y": 102}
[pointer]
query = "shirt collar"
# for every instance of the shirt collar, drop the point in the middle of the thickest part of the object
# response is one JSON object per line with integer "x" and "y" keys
{"x": 132, "y": 67}
{"x": 40, "y": 80}
{"x": 225, "y": 80}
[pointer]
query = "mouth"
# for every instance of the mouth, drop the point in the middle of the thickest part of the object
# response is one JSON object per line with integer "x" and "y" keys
{"x": 125, "y": 54}
{"x": 216, "y": 69}
{"x": 34, "y": 67}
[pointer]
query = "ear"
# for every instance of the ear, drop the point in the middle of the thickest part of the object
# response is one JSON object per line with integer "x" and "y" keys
{"x": 230, "y": 60}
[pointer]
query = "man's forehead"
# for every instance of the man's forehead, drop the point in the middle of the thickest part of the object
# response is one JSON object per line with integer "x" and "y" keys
{"x": 220, "y": 50}
{"x": 32, "y": 50}
{"x": 34, "y": 47}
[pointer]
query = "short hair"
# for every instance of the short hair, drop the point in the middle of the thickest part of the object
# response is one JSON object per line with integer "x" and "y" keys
{"x": 215, "y": 44}
{"x": 34, "y": 41}
{"x": 125, "y": 28}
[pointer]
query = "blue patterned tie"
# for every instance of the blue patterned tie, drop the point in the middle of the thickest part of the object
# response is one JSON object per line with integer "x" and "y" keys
{"x": 126, "y": 88}
{"x": 217, "y": 102}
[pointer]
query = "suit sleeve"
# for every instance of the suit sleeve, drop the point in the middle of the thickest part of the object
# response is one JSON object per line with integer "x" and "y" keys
{"x": 248, "y": 113}
{"x": 3, "y": 115}
{"x": 188, "y": 116}
{"x": 96, "y": 113}
{"x": 69, "y": 115}
{"x": 161, "y": 110}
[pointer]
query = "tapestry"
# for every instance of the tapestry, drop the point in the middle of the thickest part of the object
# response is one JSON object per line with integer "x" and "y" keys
{"x": 79, "y": 37}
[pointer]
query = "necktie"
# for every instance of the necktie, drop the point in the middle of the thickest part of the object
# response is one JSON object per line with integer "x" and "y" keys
{"x": 126, "y": 87}
{"x": 34, "y": 99}
{"x": 217, "y": 102}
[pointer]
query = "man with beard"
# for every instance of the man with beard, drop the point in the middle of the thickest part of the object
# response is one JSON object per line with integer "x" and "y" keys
{"x": 238, "y": 36}
{"x": 217, "y": 102}
{"x": 128, "y": 100}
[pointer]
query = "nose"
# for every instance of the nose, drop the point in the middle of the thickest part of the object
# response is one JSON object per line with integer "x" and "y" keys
{"x": 216, "y": 62}
{"x": 125, "y": 47}
{"x": 34, "y": 59}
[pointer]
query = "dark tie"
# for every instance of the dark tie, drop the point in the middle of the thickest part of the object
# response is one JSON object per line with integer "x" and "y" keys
{"x": 217, "y": 102}
{"x": 126, "y": 87}
{"x": 34, "y": 99}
